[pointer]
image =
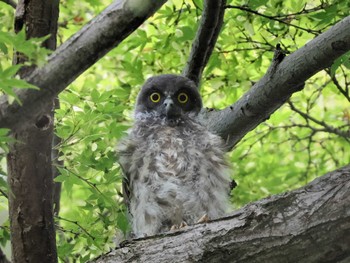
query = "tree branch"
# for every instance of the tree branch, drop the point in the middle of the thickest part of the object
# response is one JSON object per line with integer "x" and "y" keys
{"x": 206, "y": 37}
{"x": 278, "y": 84}
{"x": 72, "y": 58}
{"x": 4, "y": 194}
{"x": 310, "y": 224}
{"x": 10, "y": 2}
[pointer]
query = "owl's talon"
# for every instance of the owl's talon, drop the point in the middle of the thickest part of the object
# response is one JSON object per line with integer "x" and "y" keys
{"x": 174, "y": 227}
{"x": 183, "y": 224}
{"x": 177, "y": 227}
{"x": 203, "y": 219}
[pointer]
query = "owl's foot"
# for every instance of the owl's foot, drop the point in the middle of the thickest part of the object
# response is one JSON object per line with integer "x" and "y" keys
{"x": 203, "y": 219}
{"x": 174, "y": 227}
{"x": 177, "y": 227}
{"x": 183, "y": 224}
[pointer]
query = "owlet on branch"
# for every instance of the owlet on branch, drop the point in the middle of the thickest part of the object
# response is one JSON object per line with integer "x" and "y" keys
{"x": 174, "y": 168}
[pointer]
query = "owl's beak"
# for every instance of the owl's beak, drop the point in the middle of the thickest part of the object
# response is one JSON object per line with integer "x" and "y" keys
{"x": 170, "y": 108}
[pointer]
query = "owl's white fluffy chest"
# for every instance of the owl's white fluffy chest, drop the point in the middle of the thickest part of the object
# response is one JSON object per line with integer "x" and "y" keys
{"x": 174, "y": 174}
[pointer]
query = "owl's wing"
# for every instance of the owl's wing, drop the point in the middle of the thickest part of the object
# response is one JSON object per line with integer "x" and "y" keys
{"x": 124, "y": 150}
{"x": 125, "y": 187}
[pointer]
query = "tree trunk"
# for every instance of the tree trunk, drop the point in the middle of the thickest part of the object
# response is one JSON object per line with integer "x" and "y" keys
{"x": 310, "y": 224}
{"x": 30, "y": 199}
{"x": 29, "y": 160}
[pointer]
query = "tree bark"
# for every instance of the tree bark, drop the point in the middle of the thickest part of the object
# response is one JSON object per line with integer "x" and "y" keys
{"x": 30, "y": 200}
{"x": 310, "y": 224}
{"x": 29, "y": 159}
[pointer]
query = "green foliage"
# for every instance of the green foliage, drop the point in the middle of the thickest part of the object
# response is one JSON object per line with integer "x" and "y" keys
{"x": 10, "y": 41}
{"x": 284, "y": 153}
{"x": 90, "y": 120}
{"x": 342, "y": 60}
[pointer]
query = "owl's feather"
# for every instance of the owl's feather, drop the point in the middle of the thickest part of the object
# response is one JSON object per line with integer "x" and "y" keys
{"x": 174, "y": 173}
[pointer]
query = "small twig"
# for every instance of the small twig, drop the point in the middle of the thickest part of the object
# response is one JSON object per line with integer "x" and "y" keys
{"x": 339, "y": 87}
{"x": 195, "y": 4}
{"x": 10, "y": 2}
{"x": 77, "y": 224}
{"x": 179, "y": 14}
{"x": 243, "y": 8}
{"x": 60, "y": 228}
{"x": 249, "y": 40}
{"x": 244, "y": 49}
{"x": 304, "y": 11}
{"x": 4, "y": 194}
{"x": 309, "y": 158}
{"x": 330, "y": 153}
{"x": 327, "y": 127}
{"x": 312, "y": 99}
{"x": 347, "y": 83}
{"x": 93, "y": 185}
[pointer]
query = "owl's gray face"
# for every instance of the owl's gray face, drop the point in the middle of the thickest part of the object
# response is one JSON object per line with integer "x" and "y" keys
{"x": 169, "y": 96}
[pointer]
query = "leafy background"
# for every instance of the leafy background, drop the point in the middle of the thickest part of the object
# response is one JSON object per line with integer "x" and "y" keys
{"x": 306, "y": 137}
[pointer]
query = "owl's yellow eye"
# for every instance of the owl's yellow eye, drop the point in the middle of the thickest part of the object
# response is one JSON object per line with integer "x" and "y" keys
{"x": 155, "y": 97}
{"x": 182, "y": 97}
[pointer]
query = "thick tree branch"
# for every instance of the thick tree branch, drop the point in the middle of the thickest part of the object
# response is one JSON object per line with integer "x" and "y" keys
{"x": 77, "y": 54}
{"x": 204, "y": 42}
{"x": 280, "y": 82}
{"x": 310, "y": 224}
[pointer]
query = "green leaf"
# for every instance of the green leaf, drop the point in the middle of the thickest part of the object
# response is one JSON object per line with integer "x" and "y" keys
{"x": 122, "y": 222}
{"x": 3, "y": 48}
{"x": 10, "y": 71}
{"x": 249, "y": 27}
{"x": 344, "y": 59}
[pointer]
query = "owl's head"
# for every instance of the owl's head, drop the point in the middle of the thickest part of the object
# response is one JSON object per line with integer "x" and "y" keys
{"x": 169, "y": 96}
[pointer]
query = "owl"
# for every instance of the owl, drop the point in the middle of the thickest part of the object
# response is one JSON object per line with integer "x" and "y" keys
{"x": 175, "y": 171}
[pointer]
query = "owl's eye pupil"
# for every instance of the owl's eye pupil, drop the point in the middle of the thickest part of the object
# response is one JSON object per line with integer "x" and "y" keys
{"x": 155, "y": 97}
{"x": 182, "y": 97}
